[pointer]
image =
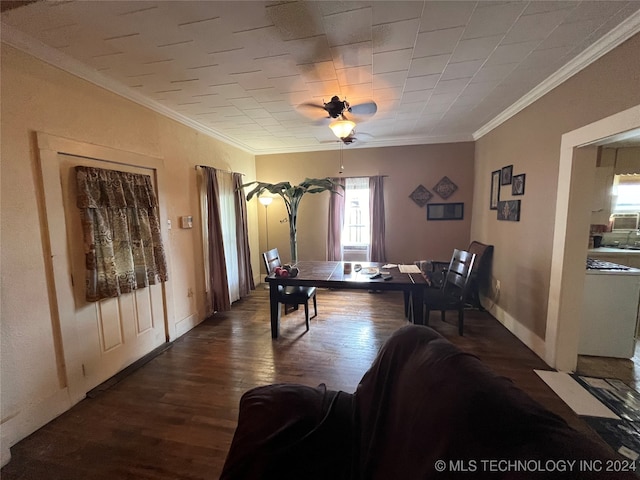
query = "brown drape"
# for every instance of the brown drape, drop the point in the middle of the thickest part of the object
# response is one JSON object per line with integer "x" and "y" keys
{"x": 376, "y": 210}
{"x": 336, "y": 223}
{"x": 245, "y": 271}
{"x": 121, "y": 228}
{"x": 217, "y": 266}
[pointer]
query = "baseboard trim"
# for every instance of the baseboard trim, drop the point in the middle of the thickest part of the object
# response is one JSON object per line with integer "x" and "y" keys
{"x": 526, "y": 336}
{"x": 186, "y": 324}
{"x": 107, "y": 384}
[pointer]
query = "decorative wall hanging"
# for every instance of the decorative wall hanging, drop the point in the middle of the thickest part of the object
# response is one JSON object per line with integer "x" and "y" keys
{"x": 506, "y": 175}
{"x": 445, "y": 188}
{"x": 517, "y": 184}
{"x": 509, "y": 210}
{"x": 445, "y": 211}
{"x": 495, "y": 190}
{"x": 421, "y": 196}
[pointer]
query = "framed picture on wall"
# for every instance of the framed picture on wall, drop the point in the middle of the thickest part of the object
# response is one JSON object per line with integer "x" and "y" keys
{"x": 495, "y": 189}
{"x": 445, "y": 211}
{"x": 517, "y": 184}
{"x": 509, "y": 210}
{"x": 507, "y": 172}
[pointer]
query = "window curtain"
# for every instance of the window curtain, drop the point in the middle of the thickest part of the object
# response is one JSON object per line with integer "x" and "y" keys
{"x": 336, "y": 223}
{"x": 121, "y": 229}
{"x": 376, "y": 211}
{"x": 216, "y": 270}
{"x": 226, "y": 198}
{"x": 245, "y": 272}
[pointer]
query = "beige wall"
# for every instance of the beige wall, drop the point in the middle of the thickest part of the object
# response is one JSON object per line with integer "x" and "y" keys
{"x": 531, "y": 142}
{"x": 409, "y": 236}
{"x": 39, "y": 98}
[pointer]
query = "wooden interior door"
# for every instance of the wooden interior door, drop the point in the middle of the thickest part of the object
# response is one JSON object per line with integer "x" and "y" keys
{"x": 112, "y": 333}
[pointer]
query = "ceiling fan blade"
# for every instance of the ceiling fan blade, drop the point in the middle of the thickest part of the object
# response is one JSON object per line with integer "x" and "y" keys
{"x": 367, "y": 108}
{"x": 311, "y": 105}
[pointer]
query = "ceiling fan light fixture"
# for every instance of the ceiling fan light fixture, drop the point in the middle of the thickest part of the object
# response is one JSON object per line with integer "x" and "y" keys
{"x": 342, "y": 128}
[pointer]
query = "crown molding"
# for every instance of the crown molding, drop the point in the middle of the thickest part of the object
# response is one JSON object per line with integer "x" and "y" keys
{"x": 17, "y": 39}
{"x": 400, "y": 142}
{"x": 625, "y": 30}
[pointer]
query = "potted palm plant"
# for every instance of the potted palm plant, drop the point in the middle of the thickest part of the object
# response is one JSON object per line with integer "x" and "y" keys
{"x": 292, "y": 196}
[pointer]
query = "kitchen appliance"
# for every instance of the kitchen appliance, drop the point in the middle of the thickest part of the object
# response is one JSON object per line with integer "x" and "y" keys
{"x": 595, "y": 264}
{"x": 609, "y": 310}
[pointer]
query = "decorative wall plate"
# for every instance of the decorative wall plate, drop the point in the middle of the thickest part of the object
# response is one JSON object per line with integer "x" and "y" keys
{"x": 421, "y": 196}
{"x": 445, "y": 188}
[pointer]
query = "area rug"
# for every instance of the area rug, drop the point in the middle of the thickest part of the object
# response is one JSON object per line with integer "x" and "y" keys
{"x": 608, "y": 405}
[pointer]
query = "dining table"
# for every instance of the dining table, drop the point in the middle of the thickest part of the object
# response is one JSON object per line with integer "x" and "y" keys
{"x": 360, "y": 275}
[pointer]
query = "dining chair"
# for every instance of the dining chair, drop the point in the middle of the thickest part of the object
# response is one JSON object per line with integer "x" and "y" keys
{"x": 291, "y": 295}
{"x": 452, "y": 294}
{"x": 434, "y": 272}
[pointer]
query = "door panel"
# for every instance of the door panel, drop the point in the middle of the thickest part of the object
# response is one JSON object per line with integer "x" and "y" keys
{"x": 113, "y": 332}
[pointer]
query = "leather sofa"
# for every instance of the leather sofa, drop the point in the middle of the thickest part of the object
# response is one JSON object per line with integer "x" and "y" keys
{"x": 425, "y": 409}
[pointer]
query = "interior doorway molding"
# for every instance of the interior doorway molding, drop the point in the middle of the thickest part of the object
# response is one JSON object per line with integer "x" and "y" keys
{"x": 564, "y": 308}
{"x": 61, "y": 297}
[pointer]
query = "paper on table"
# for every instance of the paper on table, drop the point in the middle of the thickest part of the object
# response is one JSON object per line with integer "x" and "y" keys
{"x": 389, "y": 265}
{"x": 409, "y": 269}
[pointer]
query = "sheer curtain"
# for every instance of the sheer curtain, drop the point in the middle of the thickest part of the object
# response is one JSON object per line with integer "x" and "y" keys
{"x": 376, "y": 210}
{"x": 336, "y": 223}
{"x": 226, "y": 196}
{"x": 245, "y": 272}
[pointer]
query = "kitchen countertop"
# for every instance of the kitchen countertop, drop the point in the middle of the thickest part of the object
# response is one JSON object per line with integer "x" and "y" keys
{"x": 614, "y": 251}
{"x": 632, "y": 272}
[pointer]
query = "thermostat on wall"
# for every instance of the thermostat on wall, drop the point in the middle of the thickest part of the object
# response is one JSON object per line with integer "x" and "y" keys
{"x": 187, "y": 222}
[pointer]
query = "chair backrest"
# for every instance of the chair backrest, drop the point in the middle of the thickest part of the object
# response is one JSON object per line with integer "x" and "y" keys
{"x": 483, "y": 255}
{"x": 271, "y": 260}
{"x": 457, "y": 277}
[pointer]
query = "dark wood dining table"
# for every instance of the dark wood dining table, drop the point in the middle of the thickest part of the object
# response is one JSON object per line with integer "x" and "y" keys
{"x": 332, "y": 275}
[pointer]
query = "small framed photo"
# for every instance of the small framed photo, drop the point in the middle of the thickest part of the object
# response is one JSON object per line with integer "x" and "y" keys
{"x": 506, "y": 172}
{"x": 509, "y": 210}
{"x": 445, "y": 211}
{"x": 495, "y": 190}
{"x": 517, "y": 184}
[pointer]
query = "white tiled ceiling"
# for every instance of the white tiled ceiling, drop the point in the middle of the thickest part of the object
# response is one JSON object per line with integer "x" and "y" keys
{"x": 240, "y": 70}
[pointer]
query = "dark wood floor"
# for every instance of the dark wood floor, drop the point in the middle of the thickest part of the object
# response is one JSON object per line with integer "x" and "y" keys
{"x": 625, "y": 369}
{"x": 175, "y": 417}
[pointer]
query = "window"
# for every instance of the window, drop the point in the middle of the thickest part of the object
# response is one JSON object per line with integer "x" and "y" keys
{"x": 355, "y": 235}
{"x": 626, "y": 194}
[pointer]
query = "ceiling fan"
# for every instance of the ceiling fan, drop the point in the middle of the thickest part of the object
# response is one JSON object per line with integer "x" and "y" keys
{"x": 337, "y": 108}
{"x": 351, "y": 138}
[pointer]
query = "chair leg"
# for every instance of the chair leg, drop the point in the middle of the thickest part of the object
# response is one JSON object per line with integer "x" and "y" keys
{"x": 442, "y": 315}
{"x": 460, "y": 321}
{"x": 306, "y": 314}
{"x": 427, "y": 312}
{"x": 315, "y": 306}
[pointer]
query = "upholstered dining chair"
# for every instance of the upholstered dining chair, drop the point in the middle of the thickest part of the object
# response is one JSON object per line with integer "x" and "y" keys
{"x": 291, "y": 295}
{"x": 452, "y": 294}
